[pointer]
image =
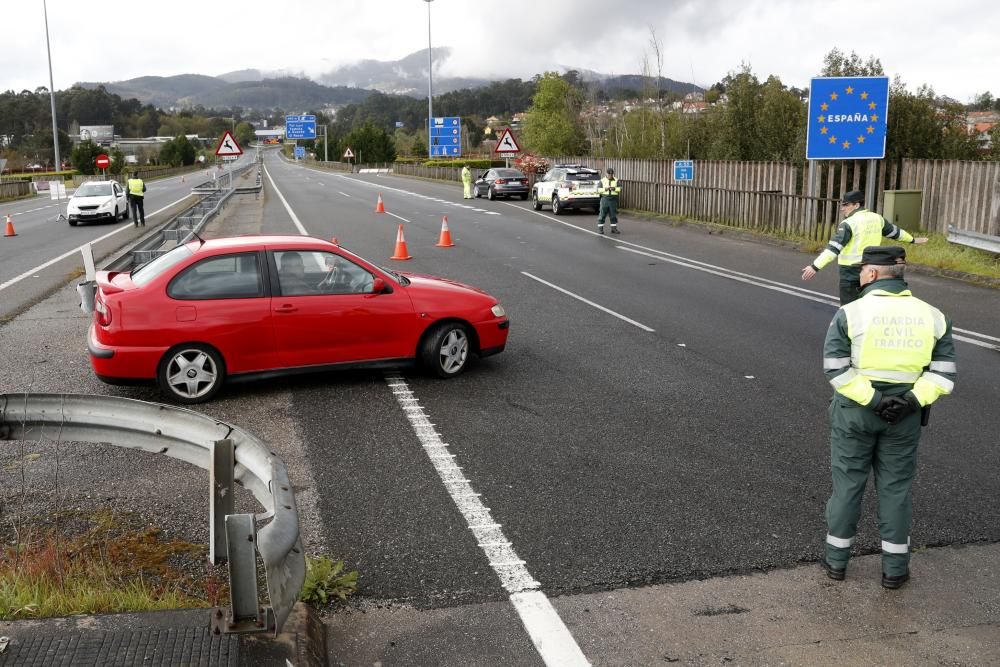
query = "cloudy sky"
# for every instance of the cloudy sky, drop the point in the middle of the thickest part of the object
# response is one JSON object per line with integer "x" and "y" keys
{"x": 953, "y": 46}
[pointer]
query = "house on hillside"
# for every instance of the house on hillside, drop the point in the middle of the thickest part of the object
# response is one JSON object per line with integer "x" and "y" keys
{"x": 979, "y": 123}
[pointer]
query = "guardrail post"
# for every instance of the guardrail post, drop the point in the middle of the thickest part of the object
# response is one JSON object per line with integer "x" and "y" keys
{"x": 244, "y": 613}
{"x": 222, "y": 464}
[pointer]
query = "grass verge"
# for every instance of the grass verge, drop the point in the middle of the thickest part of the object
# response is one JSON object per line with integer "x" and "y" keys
{"x": 94, "y": 565}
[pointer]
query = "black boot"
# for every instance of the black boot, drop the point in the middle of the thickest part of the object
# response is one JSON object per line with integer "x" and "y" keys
{"x": 614, "y": 230}
{"x": 895, "y": 582}
{"x": 600, "y": 229}
{"x": 835, "y": 573}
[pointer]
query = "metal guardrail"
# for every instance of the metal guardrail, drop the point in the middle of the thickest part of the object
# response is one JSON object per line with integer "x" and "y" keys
{"x": 230, "y": 454}
{"x": 974, "y": 240}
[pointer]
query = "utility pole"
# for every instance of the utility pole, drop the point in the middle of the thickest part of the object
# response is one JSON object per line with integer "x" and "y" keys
{"x": 430, "y": 93}
{"x": 52, "y": 89}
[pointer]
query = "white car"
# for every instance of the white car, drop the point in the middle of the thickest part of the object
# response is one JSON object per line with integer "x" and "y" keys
{"x": 97, "y": 200}
{"x": 567, "y": 186}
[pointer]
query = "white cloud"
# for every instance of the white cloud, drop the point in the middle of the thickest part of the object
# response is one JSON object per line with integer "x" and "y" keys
{"x": 951, "y": 46}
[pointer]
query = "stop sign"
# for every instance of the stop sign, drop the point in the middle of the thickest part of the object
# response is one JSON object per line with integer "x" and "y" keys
{"x": 103, "y": 162}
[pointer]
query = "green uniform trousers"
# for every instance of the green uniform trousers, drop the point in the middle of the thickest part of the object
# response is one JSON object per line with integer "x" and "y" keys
{"x": 860, "y": 442}
{"x": 850, "y": 283}
{"x": 609, "y": 207}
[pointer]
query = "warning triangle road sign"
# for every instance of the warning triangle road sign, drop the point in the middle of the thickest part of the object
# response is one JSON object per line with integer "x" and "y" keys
{"x": 348, "y": 153}
{"x": 506, "y": 143}
{"x": 228, "y": 147}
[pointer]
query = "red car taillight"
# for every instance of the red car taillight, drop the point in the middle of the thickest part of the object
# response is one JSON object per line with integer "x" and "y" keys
{"x": 501, "y": 181}
{"x": 102, "y": 313}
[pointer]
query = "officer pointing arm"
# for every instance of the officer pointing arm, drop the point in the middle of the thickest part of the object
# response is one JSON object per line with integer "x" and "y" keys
{"x": 859, "y": 229}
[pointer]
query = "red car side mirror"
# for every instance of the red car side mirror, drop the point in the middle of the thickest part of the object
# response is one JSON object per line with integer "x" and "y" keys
{"x": 378, "y": 286}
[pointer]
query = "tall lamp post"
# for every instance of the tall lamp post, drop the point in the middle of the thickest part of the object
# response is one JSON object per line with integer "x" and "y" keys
{"x": 430, "y": 108}
{"x": 52, "y": 89}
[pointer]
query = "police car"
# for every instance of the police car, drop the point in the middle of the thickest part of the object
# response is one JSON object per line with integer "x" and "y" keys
{"x": 567, "y": 186}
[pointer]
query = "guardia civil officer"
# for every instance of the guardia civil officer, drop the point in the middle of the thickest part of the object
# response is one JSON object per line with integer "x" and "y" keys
{"x": 136, "y": 198}
{"x": 859, "y": 229}
{"x": 609, "y": 192}
{"x": 467, "y": 182}
{"x": 889, "y": 356}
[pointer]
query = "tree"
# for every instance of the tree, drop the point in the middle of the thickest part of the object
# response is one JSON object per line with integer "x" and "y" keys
{"x": 84, "y": 155}
{"x": 117, "y": 161}
{"x": 178, "y": 151}
{"x": 835, "y": 63}
{"x": 244, "y": 134}
{"x": 552, "y": 126}
{"x": 371, "y": 144}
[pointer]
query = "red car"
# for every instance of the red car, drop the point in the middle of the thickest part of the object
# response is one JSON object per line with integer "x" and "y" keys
{"x": 261, "y": 305}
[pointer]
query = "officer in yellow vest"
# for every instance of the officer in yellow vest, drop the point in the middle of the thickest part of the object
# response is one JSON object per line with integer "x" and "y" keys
{"x": 136, "y": 197}
{"x": 889, "y": 356}
{"x": 859, "y": 229}
{"x": 609, "y": 191}
{"x": 466, "y": 182}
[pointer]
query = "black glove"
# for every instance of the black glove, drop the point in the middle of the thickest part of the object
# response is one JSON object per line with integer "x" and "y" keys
{"x": 892, "y": 409}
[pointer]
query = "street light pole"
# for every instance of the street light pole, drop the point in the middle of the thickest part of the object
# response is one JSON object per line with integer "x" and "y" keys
{"x": 52, "y": 90}
{"x": 430, "y": 93}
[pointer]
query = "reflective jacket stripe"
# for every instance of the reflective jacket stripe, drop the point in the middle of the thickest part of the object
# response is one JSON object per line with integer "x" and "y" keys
{"x": 831, "y": 364}
{"x": 944, "y": 366}
{"x": 891, "y": 376}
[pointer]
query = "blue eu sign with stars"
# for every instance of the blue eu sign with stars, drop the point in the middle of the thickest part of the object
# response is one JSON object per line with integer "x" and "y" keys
{"x": 847, "y": 118}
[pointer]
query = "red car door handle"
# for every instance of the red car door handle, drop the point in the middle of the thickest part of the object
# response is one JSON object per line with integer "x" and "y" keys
{"x": 287, "y": 308}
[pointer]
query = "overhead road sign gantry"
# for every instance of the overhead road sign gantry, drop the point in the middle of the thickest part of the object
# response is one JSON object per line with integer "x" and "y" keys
{"x": 847, "y": 118}
{"x": 446, "y": 136}
{"x": 300, "y": 127}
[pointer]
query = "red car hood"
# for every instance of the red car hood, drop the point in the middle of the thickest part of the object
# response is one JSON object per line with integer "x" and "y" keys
{"x": 433, "y": 294}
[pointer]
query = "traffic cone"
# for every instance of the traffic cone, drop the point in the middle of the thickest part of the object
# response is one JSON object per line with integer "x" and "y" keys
{"x": 401, "y": 252}
{"x": 445, "y": 240}
{"x": 10, "y": 227}
{"x": 334, "y": 241}
{"x": 379, "y": 206}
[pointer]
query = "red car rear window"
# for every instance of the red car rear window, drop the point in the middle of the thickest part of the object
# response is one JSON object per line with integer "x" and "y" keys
{"x": 148, "y": 271}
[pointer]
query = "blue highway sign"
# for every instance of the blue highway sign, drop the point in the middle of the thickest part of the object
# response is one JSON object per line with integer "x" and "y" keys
{"x": 300, "y": 152}
{"x": 446, "y": 136}
{"x": 847, "y": 118}
{"x": 300, "y": 127}
{"x": 683, "y": 170}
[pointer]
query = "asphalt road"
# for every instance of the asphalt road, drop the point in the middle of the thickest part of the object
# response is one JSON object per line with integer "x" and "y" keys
{"x": 659, "y": 414}
{"x": 46, "y": 251}
{"x": 612, "y": 454}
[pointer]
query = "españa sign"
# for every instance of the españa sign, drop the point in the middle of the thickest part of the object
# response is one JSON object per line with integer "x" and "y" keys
{"x": 847, "y": 118}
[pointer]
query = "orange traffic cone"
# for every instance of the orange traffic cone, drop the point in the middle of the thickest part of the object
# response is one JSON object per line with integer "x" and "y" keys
{"x": 10, "y": 227}
{"x": 334, "y": 241}
{"x": 401, "y": 252}
{"x": 380, "y": 207}
{"x": 445, "y": 240}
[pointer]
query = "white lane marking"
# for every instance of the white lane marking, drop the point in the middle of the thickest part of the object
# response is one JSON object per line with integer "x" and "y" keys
{"x": 723, "y": 274}
{"x": 288, "y": 208}
{"x": 829, "y": 301}
{"x": 63, "y": 256}
{"x": 397, "y": 216}
{"x": 382, "y": 186}
{"x": 550, "y": 635}
{"x": 757, "y": 281}
{"x": 588, "y": 302}
{"x": 344, "y": 193}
